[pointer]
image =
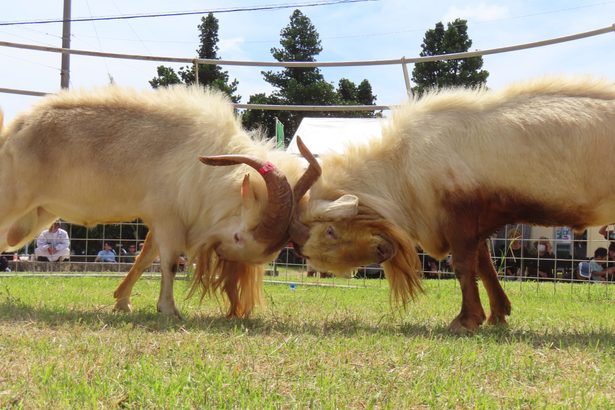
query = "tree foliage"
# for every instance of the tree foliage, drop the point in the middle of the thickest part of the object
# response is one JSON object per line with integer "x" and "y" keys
{"x": 300, "y": 41}
{"x": 437, "y": 74}
{"x": 209, "y": 75}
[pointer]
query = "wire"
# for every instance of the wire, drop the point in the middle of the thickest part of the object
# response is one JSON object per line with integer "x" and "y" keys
{"x": 185, "y": 13}
{"x": 365, "y": 35}
{"x": 133, "y": 30}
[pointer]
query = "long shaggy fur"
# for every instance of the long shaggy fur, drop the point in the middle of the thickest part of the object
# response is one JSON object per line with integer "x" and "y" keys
{"x": 403, "y": 270}
{"x": 241, "y": 283}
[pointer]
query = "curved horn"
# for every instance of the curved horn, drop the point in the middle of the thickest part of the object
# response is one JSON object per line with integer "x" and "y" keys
{"x": 311, "y": 174}
{"x": 299, "y": 233}
{"x": 276, "y": 216}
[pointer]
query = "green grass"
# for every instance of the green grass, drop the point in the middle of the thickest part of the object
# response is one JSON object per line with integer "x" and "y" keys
{"x": 312, "y": 347}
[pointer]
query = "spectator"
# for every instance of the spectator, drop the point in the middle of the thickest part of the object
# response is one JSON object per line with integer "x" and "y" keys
{"x": 107, "y": 254}
{"x": 597, "y": 268}
{"x": 4, "y": 264}
{"x": 542, "y": 260}
{"x": 448, "y": 264}
{"x": 514, "y": 254}
{"x": 611, "y": 259}
{"x": 52, "y": 245}
{"x": 608, "y": 234}
{"x": 131, "y": 253}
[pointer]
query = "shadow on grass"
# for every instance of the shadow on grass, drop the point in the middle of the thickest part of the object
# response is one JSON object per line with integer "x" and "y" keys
{"x": 16, "y": 312}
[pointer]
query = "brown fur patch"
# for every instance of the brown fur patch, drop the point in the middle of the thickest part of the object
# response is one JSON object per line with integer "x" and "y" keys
{"x": 240, "y": 282}
{"x": 488, "y": 211}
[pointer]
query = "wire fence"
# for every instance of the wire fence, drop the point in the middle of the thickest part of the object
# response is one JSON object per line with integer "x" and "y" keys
{"x": 520, "y": 253}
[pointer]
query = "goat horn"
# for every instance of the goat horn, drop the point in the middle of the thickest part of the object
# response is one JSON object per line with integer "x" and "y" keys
{"x": 273, "y": 227}
{"x": 299, "y": 232}
{"x": 311, "y": 174}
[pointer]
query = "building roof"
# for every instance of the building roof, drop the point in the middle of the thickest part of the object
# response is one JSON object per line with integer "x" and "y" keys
{"x": 322, "y": 135}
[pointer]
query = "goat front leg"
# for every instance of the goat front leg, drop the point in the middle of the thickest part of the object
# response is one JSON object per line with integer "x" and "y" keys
{"x": 498, "y": 301}
{"x": 144, "y": 259}
{"x": 465, "y": 261}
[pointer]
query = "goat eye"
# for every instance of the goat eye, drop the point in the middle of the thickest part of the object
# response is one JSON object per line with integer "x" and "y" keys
{"x": 236, "y": 238}
{"x": 330, "y": 232}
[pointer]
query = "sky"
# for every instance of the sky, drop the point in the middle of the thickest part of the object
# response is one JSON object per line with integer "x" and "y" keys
{"x": 367, "y": 30}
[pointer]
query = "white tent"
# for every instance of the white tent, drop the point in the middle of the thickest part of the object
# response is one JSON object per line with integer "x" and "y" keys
{"x": 321, "y": 135}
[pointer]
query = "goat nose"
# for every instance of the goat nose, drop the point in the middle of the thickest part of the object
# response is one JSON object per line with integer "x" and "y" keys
{"x": 385, "y": 251}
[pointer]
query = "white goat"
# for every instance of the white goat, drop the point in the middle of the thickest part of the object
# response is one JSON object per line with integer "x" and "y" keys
{"x": 114, "y": 154}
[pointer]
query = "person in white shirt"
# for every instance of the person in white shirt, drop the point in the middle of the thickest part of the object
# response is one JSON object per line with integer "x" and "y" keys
{"x": 52, "y": 244}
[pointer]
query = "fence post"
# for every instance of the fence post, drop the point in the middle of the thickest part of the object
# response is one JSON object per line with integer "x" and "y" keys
{"x": 404, "y": 67}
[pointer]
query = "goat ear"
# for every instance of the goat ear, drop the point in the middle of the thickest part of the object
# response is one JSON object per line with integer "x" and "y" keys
{"x": 346, "y": 206}
{"x": 247, "y": 193}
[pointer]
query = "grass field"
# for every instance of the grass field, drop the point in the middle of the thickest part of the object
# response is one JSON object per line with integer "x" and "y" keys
{"x": 311, "y": 347}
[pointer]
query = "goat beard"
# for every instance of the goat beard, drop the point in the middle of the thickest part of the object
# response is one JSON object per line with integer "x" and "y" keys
{"x": 239, "y": 283}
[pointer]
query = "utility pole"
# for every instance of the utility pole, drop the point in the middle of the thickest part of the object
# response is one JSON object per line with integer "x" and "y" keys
{"x": 65, "y": 70}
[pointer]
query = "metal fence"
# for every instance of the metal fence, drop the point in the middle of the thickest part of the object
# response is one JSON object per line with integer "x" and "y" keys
{"x": 518, "y": 253}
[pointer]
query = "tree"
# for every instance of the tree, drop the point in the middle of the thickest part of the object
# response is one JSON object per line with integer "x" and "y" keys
{"x": 437, "y": 74}
{"x": 299, "y": 41}
{"x": 209, "y": 75}
{"x": 350, "y": 94}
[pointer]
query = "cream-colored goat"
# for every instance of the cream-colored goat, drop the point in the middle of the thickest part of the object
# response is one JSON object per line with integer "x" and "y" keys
{"x": 114, "y": 154}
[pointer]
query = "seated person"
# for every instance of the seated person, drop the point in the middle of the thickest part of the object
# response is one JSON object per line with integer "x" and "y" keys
{"x": 52, "y": 245}
{"x": 514, "y": 255}
{"x": 607, "y": 232}
{"x": 4, "y": 264}
{"x": 107, "y": 254}
{"x": 597, "y": 265}
{"x": 131, "y": 254}
{"x": 611, "y": 259}
{"x": 541, "y": 263}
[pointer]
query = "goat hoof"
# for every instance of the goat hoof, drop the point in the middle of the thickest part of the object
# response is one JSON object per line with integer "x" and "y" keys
{"x": 170, "y": 311}
{"x": 122, "y": 305}
{"x": 464, "y": 326}
{"x": 497, "y": 320}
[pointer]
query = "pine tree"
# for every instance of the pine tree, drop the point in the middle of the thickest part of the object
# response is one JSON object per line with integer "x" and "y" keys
{"x": 209, "y": 75}
{"x": 437, "y": 74}
{"x": 299, "y": 41}
{"x": 350, "y": 94}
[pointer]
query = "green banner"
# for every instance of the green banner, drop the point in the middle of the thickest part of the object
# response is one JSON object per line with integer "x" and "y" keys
{"x": 279, "y": 133}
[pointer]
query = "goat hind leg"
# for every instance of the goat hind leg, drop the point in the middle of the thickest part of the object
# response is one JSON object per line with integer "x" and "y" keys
{"x": 124, "y": 290}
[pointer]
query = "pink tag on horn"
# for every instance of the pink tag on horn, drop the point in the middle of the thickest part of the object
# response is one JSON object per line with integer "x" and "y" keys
{"x": 267, "y": 167}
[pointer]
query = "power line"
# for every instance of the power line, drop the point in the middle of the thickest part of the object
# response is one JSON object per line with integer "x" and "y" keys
{"x": 185, "y": 13}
